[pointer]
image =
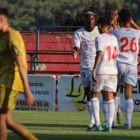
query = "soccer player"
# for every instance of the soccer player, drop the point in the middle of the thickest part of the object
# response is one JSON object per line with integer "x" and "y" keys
{"x": 127, "y": 60}
{"x": 113, "y": 20}
{"x": 104, "y": 73}
{"x": 84, "y": 41}
{"x": 13, "y": 78}
{"x": 113, "y": 17}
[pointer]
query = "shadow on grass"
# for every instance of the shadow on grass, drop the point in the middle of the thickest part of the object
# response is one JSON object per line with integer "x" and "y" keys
{"x": 55, "y": 125}
{"x": 71, "y": 126}
{"x": 133, "y": 128}
{"x": 92, "y": 136}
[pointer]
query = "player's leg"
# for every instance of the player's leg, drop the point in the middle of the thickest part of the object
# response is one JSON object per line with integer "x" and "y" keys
{"x": 119, "y": 112}
{"x": 110, "y": 88}
{"x": 3, "y": 127}
{"x": 3, "y": 110}
{"x": 92, "y": 120}
{"x": 96, "y": 110}
{"x": 105, "y": 109}
{"x": 116, "y": 95}
{"x": 121, "y": 70}
{"x": 95, "y": 89}
{"x": 130, "y": 81}
{"x": 111, "y": 110}
{"x": 85, "y": 76}
{"x": 128, "y": 106}
{"x": 18, "y": 128}
{"x": 8, "y": 104}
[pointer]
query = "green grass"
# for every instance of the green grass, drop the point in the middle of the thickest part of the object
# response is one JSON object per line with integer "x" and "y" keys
{"x": 70, "y": 126}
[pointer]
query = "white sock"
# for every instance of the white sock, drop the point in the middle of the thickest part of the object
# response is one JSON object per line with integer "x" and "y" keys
{"x": 116, "y": 102}
{"x": 111, "y": 110}
{"x": 90, "y": 112}
{"x": 128, "y": 110}
{"x": 119, "y": 104}
{"x": 105, "y": 110}
{"x": 96, "y": 108}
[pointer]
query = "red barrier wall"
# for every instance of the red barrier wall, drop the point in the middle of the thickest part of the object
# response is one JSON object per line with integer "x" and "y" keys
{"x": 53, "y": 41}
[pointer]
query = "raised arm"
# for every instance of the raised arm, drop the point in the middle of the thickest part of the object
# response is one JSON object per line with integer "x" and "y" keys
{"x": 114, "y": 17}
{"x": 113, "y": 22}
{"x": 134, "y": 24}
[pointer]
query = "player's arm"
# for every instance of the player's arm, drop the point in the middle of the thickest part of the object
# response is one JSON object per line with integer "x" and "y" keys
{"x": 97, "y": 62}
{"x": 76, "y": 45}
{"x": 114, "y": 17}
{"x": 22, "y": 70}
{"x": 134, "y": 24}
{"x": 76, "y": 52}
{"x": 114, "y": 23}
{"x": 99, "y": 50}
{"x": 16, "y": 53}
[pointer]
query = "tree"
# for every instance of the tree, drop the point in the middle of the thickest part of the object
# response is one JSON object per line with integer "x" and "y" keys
{"x": 42, "y": 12}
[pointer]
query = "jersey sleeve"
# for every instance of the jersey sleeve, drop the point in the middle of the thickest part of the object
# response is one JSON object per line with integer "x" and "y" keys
{"x": 15, "y": 44}
{"x": 76, "y": 40}
{"x": 117, "y": 46}
{"x": 113, "y": 32}
{"x": 118, "y": 51}
{"x": 98, "y": 44}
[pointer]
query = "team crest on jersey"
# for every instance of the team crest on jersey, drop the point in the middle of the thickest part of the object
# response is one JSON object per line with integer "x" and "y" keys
{"x": 96, "y": 34}
{"x": 82, "y": 33}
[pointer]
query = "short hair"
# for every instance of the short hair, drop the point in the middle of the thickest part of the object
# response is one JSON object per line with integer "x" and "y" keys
{"x": 125, "y": 15}
{"x": 88, "y": 13}
{"x": 3, "y": 11}
{"x": 103, "y": 21}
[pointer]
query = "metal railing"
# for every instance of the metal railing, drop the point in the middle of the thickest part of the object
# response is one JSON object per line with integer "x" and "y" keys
{"x": 52, "y": 52}
{"x": 34, "y": 54}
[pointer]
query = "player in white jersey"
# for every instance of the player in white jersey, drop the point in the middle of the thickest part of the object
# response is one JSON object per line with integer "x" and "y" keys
{"x": 118, "y": 113}
{"x": 113, "y": 24}
{"x": 127, "y": 60}
{"x": 84, "y": 41}
{"x": 104, "y": 73}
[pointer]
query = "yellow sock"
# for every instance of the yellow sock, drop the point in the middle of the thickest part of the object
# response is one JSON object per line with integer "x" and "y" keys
{"x": 27, "y": 135}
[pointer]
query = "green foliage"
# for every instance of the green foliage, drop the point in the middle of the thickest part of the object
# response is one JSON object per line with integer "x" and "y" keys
{"x": 42, "y": 12}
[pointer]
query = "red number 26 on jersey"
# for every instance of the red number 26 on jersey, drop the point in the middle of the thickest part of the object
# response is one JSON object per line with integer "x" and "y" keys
{"x": 132, "y": 44}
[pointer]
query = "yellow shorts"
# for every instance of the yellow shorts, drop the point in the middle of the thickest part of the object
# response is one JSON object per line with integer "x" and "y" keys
{"x": 8, "y": 98}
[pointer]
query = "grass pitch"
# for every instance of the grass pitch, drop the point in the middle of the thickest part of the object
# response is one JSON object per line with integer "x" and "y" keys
{"x": 70, "y": 126}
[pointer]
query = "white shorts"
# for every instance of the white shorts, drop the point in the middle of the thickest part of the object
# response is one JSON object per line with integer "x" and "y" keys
{"x": 105, "y": 83}
{"x": 86, "y": 76}
{"x": 127, "y": 74}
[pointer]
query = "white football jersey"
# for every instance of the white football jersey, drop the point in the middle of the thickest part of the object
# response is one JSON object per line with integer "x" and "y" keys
{"x": 108, "y": 44}
{"x": 128, "y": 45}
{"x": 86, "y": 42}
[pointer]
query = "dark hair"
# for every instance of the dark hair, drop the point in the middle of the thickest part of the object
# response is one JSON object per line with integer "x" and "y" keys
{"x": 125, "y": 15}
{"x": 109, "y": 10}
{"x": 103, "y": 21}
{"x": 3, "y": 11}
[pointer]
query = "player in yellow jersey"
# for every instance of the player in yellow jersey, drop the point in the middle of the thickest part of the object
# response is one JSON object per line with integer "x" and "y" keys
{"x": 13, "y": 78}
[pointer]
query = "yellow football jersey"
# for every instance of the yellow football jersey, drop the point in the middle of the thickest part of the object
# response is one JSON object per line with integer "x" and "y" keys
{"x": 11, "y": 45}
